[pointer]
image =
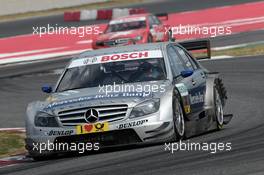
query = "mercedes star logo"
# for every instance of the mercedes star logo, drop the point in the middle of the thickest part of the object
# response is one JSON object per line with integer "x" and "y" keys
{"x": 91, "y": 115}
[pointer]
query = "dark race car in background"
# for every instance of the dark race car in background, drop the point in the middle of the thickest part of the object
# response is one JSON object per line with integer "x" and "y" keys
{"x": 134, "y": 29}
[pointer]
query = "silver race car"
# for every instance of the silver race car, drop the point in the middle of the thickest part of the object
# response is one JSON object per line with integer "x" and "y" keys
{"x": 127, "y": 95}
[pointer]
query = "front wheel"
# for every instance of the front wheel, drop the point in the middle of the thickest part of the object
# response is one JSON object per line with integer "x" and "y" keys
{"x": 178, "y": 119}
{"x": 218, "y": 110}
{"x": 42, "y": 157}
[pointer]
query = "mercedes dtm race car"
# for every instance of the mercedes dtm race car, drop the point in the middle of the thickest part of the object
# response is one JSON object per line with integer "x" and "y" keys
{"x": 134, "y": 94}
{"x": 134, "y": 29}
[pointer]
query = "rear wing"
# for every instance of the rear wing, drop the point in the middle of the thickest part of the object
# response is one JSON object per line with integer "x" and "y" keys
{"x": 201, "y": 49}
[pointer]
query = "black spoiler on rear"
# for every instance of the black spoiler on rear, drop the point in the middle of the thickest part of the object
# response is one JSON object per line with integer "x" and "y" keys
{"x": 162, "y": 16}
{"x": 196, "y": 46}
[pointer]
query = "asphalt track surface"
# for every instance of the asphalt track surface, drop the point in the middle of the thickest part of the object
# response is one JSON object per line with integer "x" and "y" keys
{"x": 243, "y": 78}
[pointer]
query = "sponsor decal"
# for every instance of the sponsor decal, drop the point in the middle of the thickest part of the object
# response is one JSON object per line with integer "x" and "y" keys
{"x": 183, "y": 89}
{"x": 69, "y": 92}
{"x": 187, "y": 109}
{"x": 197, "y": 98}
{"x": 60, "y": 133}
{"x": 92, "y": 128}
{"x": 96, "y": 97}
{"x": 125, "y": 56}
{"x": 132, "y": 124}
{"x": 116, "y": 57}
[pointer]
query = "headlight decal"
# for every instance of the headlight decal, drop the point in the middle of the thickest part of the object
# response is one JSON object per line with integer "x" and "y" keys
{"x": 43, "y": 119}
{"x": 145, "y": 108}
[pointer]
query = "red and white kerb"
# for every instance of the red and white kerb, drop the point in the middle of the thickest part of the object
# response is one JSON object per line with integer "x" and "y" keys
{"x": 116, "y": 57}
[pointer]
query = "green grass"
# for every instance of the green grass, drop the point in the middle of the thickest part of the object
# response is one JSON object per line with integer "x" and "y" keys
{"x": 251, "y": 50}
{"x": 11, "y": 143}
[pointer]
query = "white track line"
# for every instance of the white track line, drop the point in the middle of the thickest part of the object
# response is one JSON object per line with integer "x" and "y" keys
{"x": 29, "y": 52}
{"x": 13, "y": 129}
{"x": 39, "y": 56}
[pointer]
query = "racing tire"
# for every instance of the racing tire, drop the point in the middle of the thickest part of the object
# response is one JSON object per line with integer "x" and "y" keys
{"x": 218, "y": 109}
{"x": 39, "y": 157}
{"x": 178, "y": 119}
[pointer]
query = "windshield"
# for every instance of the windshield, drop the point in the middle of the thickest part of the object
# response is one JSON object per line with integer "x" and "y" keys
{"x": 124, "y": 26}
{"x": 93, "y": 75}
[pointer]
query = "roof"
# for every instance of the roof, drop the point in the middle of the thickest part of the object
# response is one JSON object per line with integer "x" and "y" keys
{"x": 121, "y": 49}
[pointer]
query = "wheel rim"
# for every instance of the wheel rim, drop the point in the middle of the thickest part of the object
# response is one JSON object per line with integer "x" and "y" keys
{"x": 219, "y": 110}
{"x": 179, "y": 119}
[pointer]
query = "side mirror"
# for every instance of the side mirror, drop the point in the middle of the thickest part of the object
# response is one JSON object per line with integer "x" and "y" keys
{"x": 170, "y": 34}
{"x": 186, "y": 73}
{"x": 46, "y": 89}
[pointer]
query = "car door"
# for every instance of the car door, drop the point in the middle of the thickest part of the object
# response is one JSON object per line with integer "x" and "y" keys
{"x": 177, "y": 66}
{"x": 198, "y": 80}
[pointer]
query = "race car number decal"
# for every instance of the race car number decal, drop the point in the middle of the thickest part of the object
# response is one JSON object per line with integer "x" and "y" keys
{"x": 92, "y": 128}
{"x": 116, "y": 57}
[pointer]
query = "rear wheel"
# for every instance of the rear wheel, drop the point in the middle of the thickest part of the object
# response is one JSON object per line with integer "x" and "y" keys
{"x": 178, "y": 119}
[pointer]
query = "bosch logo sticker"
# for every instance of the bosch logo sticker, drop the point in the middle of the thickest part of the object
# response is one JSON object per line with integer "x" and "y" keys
{"x": 116, "y": 57}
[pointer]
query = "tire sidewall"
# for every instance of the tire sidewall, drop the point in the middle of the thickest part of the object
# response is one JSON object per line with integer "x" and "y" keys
{"x": 177, "y": 100}
{"x": 218, "y": 123}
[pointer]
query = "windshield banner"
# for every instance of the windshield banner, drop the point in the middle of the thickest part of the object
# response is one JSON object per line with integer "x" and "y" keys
{"x": 126, "y": 20}
{"x": 116, "y": 57}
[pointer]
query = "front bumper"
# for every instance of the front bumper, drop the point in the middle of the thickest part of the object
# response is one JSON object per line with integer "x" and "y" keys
{"x": 140, "y": 130}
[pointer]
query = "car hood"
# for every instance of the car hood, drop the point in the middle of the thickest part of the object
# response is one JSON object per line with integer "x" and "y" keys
{"x": 89, "y": 97}
{"x": 123, "y": 34}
